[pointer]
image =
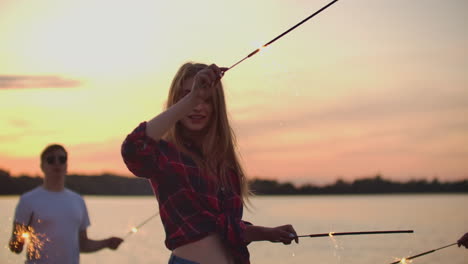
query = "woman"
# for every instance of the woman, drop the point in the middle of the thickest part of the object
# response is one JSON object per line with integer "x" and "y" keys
{"x": 188, "y": 154}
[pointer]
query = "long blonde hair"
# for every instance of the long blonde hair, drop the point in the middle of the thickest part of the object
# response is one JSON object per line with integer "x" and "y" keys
{"x": 218, "y": 148}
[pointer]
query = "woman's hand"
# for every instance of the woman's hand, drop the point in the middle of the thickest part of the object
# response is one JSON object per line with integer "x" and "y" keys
{"x": 284, "y": 234}
{"x": 205, "y": 82}
{"x": 463, "y": 241}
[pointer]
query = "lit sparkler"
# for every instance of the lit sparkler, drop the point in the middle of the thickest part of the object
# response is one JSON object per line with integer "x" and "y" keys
{"x": 403, "y": 260}
{"x": 333, "y": 239}
{"x": 35, "y": 241}
{"x": 281, "y": 35}
{"x": 332, "y": 234}
{"x": 135, "y": 229}
{"x": 335, "y": 244}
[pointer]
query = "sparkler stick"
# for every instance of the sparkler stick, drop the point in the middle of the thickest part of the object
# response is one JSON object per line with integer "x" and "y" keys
{"x": 403, "y": 260}
{"x": 357, "y": 233}
{"x": 135, "y": 229}
{"x": 282, "y": 34}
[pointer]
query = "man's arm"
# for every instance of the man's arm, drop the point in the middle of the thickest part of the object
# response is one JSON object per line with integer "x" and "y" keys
{"x": 88, "y": 245}
{"x": 17, "y": 240}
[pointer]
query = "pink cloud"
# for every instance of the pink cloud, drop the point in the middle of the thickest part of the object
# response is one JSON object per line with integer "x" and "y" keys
{"x": 26, "y": 81}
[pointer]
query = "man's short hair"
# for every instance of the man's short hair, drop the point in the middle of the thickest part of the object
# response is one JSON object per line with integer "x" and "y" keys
{"x": 51, "y": 148}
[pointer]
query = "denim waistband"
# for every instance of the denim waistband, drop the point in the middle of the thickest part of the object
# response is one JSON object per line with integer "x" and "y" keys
{"x": 178, "y": 260}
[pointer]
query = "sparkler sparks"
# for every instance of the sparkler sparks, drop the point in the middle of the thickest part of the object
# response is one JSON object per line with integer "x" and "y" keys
{"x": 35, "y": 241}
{"x": 262, "y": 49}
{"x": 335, "y": 245}
{"x": 405, "y": 261}
{"x": 333, "y": 239}
{"x": 421, "y": 254}
{"x": 135, "y": 229}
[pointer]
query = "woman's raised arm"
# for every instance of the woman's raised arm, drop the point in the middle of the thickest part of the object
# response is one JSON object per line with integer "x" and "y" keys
{"x": 197, "y": 90}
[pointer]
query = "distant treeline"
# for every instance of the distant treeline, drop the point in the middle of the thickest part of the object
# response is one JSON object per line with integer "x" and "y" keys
{"x": 375, "y": 185}
{"x": 107, "y": 184}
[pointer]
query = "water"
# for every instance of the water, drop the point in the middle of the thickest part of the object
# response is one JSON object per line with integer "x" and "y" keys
{"x": 438, "y": 220}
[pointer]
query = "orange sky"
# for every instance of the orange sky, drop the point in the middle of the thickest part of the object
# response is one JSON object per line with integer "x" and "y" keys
{"x": 366, "y": 87}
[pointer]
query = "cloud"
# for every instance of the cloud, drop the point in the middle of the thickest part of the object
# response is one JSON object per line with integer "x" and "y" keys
{"x": 85, "y": 158}
{"x": 19, "y": 123}
{"x": 27, "y": 81}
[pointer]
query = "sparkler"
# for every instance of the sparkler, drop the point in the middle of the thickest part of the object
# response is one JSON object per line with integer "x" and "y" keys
{"x": 135, "y": 229}
{"x": 33, "y": 240}
{"x": 403, "y": 260}
{"x": 332, "y": 234}
{"x": 281, "y": 35}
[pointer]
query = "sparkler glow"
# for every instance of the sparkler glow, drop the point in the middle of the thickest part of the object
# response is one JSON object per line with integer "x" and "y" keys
{"x": 333, "y": 239}
{"x": 281, "y": 35}
{"x": 34, "y": 240}
{"x": 135, "y": 229}
{"x": 403, "y": 260}
{"x": 335, "y": 245}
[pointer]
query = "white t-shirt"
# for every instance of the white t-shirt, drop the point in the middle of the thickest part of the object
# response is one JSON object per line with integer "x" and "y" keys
{"x": 57, "y": 218}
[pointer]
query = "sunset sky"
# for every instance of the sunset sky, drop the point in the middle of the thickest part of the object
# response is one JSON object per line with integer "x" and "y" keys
{"x": 366, "y": 87}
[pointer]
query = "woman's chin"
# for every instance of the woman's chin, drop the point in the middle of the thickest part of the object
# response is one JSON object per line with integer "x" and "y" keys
{"x": 196, "y": 129}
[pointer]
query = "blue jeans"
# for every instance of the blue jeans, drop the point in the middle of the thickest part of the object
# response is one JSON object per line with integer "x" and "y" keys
{"x": 178, "y": 260}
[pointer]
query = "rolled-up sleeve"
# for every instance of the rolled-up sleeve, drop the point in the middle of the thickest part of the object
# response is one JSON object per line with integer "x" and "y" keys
{"x": 142, "y": 154}
{"x": 242, "y": 227}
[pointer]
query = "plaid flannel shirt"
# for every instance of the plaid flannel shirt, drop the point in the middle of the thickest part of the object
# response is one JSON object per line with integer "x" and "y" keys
{"x": 190, "y": 204}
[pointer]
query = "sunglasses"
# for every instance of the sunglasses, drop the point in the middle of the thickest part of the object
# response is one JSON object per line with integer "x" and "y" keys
{"x": 51, "y": 159}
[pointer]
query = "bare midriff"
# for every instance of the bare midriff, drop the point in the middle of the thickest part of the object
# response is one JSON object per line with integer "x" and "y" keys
{"x": 208, "y": 250}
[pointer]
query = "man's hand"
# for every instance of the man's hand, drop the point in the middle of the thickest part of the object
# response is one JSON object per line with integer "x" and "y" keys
{"x": 17, "y": 240}
{"x": 16, "y": 245}
{"x": 114, "y": 242}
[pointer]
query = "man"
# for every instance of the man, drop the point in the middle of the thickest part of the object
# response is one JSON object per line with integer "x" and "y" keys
{"x": 53, "y": 218}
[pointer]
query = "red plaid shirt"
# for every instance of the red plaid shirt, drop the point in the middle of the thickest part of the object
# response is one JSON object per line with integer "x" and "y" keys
{"x": 190, "y": 204}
